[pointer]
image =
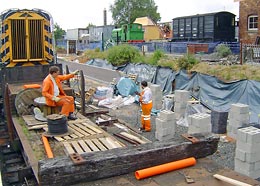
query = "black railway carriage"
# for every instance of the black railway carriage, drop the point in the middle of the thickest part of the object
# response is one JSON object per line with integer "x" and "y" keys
{"x": 211, "y": 27}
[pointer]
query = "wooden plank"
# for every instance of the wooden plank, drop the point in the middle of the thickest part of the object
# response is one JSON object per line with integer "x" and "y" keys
{"x": 84, "y": 146}
{"x": 99, "y": 145}
{"x": 91, "y": 145}
{"x": 26, "y": 145}
{"x": 74, "y": 136}
{"x": 77, "y": 147}
{"x": 92, "y": 128}
{"x": 66, "y": 137}
{"x": 59, "y": 138}
{"x": 71, "y": 127}
{"x": 86, "y": 129}
{"x": 93, "y": 107}
{"x": 113, "y": 143}
{"x": 106, "y": 144}
{"x": 230, "y": 180}
{"x": 79, "y": 130}
{"x": 133, "y": 137}
{"x": 68, "y": 147}
{"x": 31, "y": 121}
{"x": 37, "y": 127}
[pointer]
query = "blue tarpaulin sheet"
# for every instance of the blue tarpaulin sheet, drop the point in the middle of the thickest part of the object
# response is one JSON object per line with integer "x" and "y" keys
{"x": 212, "y": 92}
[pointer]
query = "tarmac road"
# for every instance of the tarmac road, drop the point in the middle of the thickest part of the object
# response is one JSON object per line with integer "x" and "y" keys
{"x": 95, "y": 73}
{"x": 202, "y": 173}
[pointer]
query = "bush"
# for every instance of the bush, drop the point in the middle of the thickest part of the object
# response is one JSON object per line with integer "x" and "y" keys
{"x": 122, "y": 54}
{"x": 223, "y": 50}
{"x": 157, "y": 55}
{"x": 187, "y": 62}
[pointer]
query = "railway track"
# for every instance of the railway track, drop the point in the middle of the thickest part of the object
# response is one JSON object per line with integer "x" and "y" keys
{"x": 14, "y": 170}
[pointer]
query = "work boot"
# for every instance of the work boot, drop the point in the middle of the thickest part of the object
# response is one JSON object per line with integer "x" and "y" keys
{"x": 141, "y": 129}
{"x": 72, "y": 116}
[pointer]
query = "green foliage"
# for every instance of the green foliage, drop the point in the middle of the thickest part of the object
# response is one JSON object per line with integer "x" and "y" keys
{"x": 156, "y": 56}
{"x": 223, "y": 50}
{"x": 187, "y": 62}
{"x": 58, "y": 32}
{"x": 95, "y": 54}
{"x": 122, "y": 54}
{"x": 126, "y": 11}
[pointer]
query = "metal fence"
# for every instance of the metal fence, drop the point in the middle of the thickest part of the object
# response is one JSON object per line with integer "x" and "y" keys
{"x": 166, "y": 47}
{"x": 250, "y": 53}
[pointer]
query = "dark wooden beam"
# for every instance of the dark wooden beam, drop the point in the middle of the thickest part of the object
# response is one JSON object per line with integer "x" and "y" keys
{"x": 62, "y": 171}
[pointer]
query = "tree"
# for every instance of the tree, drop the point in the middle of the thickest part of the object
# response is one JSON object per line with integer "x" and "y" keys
{"x": 126, "y": 11}
{"x": 58, "y": 32}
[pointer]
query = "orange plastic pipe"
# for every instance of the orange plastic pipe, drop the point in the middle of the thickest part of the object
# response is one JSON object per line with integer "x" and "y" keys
{"x": 144, "y": 173}
{"x": 47, "y": 147}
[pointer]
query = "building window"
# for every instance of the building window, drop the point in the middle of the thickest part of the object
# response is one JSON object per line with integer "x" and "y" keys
{"x": 253, "y": 22}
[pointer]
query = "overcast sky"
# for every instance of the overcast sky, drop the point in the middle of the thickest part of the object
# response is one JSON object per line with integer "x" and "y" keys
{"x": 79, "y": 13}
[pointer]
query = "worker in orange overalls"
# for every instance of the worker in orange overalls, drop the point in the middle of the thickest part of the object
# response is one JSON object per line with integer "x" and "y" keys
{"x": 55, "y": 95}
{"x": 147, "y": 105}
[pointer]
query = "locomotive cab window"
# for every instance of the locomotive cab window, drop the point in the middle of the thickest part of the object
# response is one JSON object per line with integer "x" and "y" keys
{"x": 253, "y": 22}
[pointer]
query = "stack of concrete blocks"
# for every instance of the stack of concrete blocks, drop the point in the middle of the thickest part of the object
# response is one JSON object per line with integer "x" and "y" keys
{"x": 238, "y": 116}
{"x": 165, "y": 125}
{"x": 157, "y": 96}
{"x": 199, "y": 123}
{"x": 181, "y": 97}
{"x": 247, "y": 158}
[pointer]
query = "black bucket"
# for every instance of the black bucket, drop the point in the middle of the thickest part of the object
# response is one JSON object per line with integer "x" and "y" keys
{"x": 219, "y": 122}
{"x": 57, "y": 124}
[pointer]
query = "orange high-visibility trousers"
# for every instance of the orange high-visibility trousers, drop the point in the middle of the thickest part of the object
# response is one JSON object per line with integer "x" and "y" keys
{"x": 67, "y": 105}
{"x": 146, "y": 116}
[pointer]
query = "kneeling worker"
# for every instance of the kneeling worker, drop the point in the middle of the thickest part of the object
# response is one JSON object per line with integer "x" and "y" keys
{"x": 147, "y": 105}
{"x": 55, "y": 95}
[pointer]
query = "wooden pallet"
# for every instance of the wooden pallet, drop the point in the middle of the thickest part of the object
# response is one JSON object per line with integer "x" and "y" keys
{"x": 89, "y": 93}
{"x": 32, "y": 123}
{"x": 80, "y": 129}
{"x": 91, "y": 145}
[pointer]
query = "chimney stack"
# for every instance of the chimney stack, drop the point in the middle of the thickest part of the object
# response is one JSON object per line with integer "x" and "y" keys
{"x": 105, "y": 17}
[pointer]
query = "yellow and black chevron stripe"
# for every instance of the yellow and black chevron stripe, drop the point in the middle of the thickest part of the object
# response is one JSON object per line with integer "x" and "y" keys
{"x": 26, "y": 38}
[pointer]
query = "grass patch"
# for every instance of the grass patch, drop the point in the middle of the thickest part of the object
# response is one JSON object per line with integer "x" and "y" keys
{"x": 123, "y": 54}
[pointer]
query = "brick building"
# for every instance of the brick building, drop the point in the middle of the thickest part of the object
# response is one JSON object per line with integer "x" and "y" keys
{"x": 249, "y": 22}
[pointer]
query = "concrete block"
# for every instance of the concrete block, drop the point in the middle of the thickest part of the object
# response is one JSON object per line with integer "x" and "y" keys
{"x": 242, "y": 135}
{"x": 239, "y": 108}
{"x": 248, "y": 147}
{"x": 253, "y": 158}
{"x": 244, "y": 165}
{"x": 167, "y": 115}
{"x": 237, "y": 124}
{"x": 180, "y": 105}
{"x": 240, "y": 154}
{"x": 249, "y": 135}
{"x": 166, "y": 131}
{"x": 157, "y": 105}
{"x": 200, "y": 119}
{"x": 254, "y": 174}
{"x": 193, "y": 129}
{"x": 229, "y": 128}
{"x": 159, "y": 123}
{"x": 181, "y": 95}
{"x": 163, "y": 138}
{"x": 257, "y": 166}
{"x": 179, "y": 111}
{"x": 239, "y": 117}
